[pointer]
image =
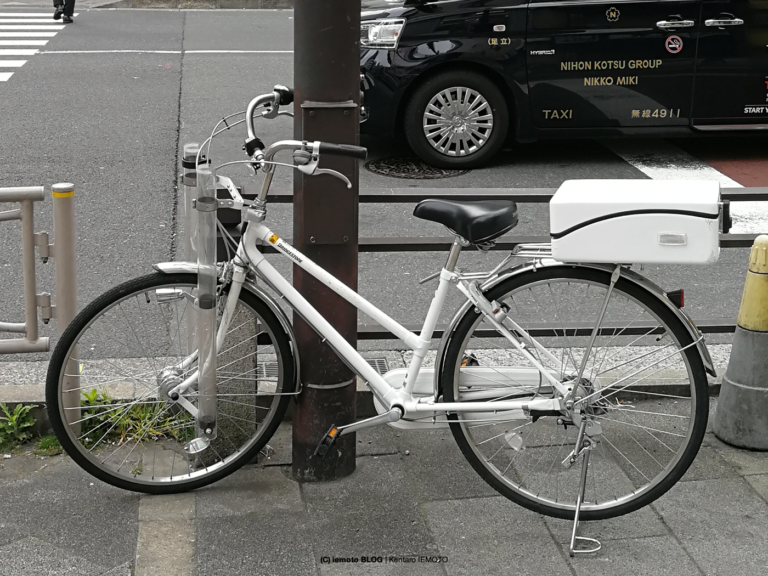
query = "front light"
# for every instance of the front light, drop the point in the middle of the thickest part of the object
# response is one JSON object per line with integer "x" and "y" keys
{"x": 381, "y": 33}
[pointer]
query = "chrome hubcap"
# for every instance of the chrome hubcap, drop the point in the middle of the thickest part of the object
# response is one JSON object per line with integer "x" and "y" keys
{"x": 458, "y": 121}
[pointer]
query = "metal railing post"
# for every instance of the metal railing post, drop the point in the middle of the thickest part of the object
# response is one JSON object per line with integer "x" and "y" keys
{"x": 26, "y": 197}
{"x": 66, "y": 288}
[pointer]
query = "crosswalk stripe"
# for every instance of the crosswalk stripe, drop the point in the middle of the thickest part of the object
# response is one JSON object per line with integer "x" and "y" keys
{"x": 12, "y": 63}
{"x": 26, "y": 21}
{"x": 30, "y": 27}
{"x": 10, "y": 52}
{"x": 5, "y": 75}
{"x": 23, "y": 42}
{"x": 29, "y": 14}
{"x": 27, "y": 34}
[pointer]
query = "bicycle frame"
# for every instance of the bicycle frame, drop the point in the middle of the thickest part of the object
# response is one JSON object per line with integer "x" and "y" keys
{"x": 387, "y": 394}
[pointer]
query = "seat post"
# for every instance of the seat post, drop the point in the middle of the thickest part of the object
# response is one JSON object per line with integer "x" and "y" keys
{"x": 453, "y": 255}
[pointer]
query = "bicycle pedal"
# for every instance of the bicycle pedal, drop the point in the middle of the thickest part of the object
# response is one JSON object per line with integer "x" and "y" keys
{"x": 328, "y": 440}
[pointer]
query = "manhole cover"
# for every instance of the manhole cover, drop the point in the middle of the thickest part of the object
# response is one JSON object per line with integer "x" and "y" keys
{"x": 410, "y": 168}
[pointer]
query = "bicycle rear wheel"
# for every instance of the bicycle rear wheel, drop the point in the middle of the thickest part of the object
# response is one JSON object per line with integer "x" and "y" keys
{"x": 122, "y": 352}
{"x": 644, "y": 378}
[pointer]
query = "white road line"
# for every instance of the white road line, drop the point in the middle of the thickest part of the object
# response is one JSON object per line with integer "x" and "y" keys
{"x": 12, "y": 63}
{"x": 9, "y": 52}
{"x": 23, "y": 42}
{"x": 111, "y": 52}
{"x": 27, "y": 34}
{"x": 30, "y": 27}
{"x": 5, "y": 75}
{"x": 167, "y": 52}
{"x": 27, "y": 21}
{"x": 660, "y": 160}
{"x": 29, "y": 14}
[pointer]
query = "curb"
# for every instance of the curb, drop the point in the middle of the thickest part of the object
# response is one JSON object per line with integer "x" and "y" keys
{"x": 203, "y": 4}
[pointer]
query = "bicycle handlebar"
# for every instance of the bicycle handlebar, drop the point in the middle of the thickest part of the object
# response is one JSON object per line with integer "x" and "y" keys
{"x": 344, "y": 150}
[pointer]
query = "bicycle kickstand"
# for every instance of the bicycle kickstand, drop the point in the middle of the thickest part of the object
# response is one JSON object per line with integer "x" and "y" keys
{"x": 584, "y": 447}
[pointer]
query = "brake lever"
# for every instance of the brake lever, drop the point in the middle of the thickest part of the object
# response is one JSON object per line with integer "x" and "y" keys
{"x": 310, "y": 166}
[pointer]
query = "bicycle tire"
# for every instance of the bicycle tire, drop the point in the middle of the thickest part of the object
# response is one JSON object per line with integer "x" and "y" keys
{"x": 120, "y": 404}
{"x": 522, "y": 459}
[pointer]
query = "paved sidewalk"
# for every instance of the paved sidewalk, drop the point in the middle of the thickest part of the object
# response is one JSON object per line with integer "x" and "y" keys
{"x": 412, "y": 494}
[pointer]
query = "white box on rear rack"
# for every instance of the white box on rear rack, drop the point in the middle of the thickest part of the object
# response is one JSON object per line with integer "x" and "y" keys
{"x": 636, "y": 221}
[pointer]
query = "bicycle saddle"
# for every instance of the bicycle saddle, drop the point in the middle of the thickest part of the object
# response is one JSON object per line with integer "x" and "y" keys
{"x": 477, "y": 222}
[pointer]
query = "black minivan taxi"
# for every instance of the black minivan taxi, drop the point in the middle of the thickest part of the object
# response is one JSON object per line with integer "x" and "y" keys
{"x": 457, "y": 77}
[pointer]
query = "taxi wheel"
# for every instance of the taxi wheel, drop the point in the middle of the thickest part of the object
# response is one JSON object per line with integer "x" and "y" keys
{"x": 456, "y": 119}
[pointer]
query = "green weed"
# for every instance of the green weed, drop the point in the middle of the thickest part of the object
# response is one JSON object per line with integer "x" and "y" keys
{"x": 14, "y": 424}
{"x": 148, "y": 420}
{"x": 48, "y": 445}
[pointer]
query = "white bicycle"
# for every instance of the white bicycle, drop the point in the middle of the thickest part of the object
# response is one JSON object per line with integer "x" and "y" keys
{"x": 546, "y": 365}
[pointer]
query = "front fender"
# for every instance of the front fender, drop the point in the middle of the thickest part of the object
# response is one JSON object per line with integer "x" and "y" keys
{"x": 251, "y": 286}
{"x": 626, "y": 273}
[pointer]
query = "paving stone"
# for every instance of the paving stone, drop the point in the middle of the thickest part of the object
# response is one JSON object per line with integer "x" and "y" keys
{"x": 722, "y": 524}
{"x": 659, "y": 556}
{"x": 709, "y": 465}
{"x": 744, "y": 461}
{"x": 492, "y": 536}
{"x": 251, "y": 490}
{"x": 263, "y": 544}
{"x": 279, "y": 451}
{"x": 167, "y": 507}
{"x": 760, "y": 483}
{"x": 376, "y": 533}
{"x": 379, "y": 440}
{"x": 166, "y": 547}
{"x": 71, "y": 510}
{"x": 9, "y": 532}
{"x": 122, "y": 570}
{"x": 436, "y": 468}
{"x": 19, "y": 467}
{"x": 378, "y": 484}
{"x": 391, "y": 568}
{"x": 640, "y": 524}
{"x": 31, "y": 557}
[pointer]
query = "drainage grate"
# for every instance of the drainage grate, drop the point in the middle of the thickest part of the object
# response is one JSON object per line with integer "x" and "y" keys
{"x": 268, "y": 370}
{"x": 410, "y": 168}
{"x": 379, "y": 364}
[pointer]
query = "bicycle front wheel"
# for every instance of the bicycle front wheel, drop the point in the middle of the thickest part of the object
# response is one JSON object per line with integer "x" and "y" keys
{"x": 644, "y": 384}
{"x": 110, "y": 375}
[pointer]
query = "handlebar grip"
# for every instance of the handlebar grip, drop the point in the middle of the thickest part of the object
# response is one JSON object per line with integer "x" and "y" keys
{"x": 344, "y": 150}
{"x": 286, "y": 94}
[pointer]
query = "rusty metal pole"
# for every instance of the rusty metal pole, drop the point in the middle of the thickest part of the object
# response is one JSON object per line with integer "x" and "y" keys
{"x": 325, "y": 225}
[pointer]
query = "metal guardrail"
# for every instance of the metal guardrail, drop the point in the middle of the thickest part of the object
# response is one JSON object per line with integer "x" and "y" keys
{"x": 520, "y": 195}
{"x": 63, "y": 252}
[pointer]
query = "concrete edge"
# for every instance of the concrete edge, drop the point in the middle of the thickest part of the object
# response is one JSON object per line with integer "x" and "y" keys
{"x": 202, "y": 4}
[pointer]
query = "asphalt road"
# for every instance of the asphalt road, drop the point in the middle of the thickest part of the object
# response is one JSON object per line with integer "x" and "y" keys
{"x": 109, "y": 100}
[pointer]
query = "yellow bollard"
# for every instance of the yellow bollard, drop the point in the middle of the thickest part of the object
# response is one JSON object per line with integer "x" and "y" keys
{"x": 741, "y": 417}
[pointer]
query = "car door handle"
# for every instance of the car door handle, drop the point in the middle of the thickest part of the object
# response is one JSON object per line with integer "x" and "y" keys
{"x": 673, "y": 24}
{"x": 724, "y": 22}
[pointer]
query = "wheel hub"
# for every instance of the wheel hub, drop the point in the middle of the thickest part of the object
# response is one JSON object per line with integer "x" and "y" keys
{"x": 167, "y": 380}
